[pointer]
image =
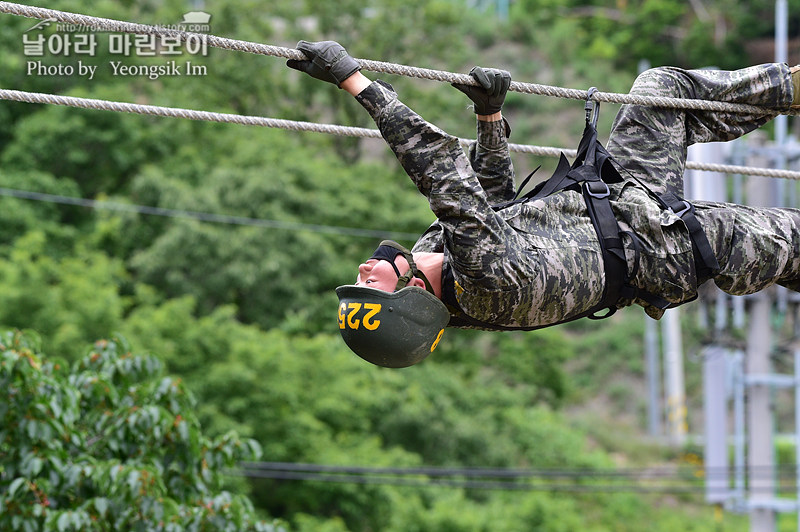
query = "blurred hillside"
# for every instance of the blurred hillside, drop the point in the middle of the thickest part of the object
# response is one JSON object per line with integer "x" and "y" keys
{"x": 244, "y": 315}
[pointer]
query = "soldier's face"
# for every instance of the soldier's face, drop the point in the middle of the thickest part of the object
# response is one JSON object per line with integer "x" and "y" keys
{"x": 378, "y": 273}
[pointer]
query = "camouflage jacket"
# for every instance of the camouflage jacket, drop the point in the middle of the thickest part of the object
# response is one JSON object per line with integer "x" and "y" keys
{"x": 530, "y": 264}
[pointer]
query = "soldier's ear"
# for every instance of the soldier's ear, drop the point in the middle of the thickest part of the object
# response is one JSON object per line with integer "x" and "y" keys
{"x": 416, "y": 281}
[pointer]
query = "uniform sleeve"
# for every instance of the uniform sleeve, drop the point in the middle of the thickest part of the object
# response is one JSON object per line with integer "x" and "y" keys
{"x": 491, "y": 161}
{"x": 474, "y": 235}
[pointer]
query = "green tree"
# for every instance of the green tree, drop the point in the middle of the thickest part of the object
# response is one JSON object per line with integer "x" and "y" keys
{"x": 69, "y": 297}
{"x": 18, "y": 216}
{"x": 271, "y": 274}
{"x": 112, "y": 444}
{"x": 664, "y": 32}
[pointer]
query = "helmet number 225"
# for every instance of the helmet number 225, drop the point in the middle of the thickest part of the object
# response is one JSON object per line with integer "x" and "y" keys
{"x": 348, "y": 314}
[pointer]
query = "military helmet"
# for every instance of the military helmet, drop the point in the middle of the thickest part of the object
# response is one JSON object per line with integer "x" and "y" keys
{"x": 392, "y": 329}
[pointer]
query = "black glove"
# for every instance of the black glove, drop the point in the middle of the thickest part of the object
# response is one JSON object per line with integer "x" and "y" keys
{"x": 488, "y": 97}
{"x": 327, "y": 60}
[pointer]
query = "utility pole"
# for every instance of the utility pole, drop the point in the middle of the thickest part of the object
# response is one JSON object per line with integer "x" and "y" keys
{"x": 711, "y": 186}
{"x": 673, "y": 373}
{"x": 760, "y": 448}
{"x": 654, "y": 411}
{"x": 760, "y": 451}
{"x": 754, "y": 423}
{"x": 781, "y": 121}
{"x": 715, "y": 406}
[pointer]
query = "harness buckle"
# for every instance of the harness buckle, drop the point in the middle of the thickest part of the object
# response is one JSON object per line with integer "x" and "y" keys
{"x": 598, "y": 193}
{"x": 687, "y": 207}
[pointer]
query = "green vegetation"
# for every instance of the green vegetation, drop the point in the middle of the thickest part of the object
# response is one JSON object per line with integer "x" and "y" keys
{"x": 237, "y": 323}
{"x": 112, "y": 444}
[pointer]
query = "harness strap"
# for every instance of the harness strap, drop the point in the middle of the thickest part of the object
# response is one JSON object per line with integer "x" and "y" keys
{"x": 706, "y": 264}
{"x": 596, "y": 194}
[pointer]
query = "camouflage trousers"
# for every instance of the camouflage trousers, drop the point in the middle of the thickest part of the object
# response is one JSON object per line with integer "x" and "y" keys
{"x": 755, "y": 247}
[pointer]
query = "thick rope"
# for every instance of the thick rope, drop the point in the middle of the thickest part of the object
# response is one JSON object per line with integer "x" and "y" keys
{"x": 349, "y": 131}
{"x": 175, "y": 112}
{"x": 104, "y": 24}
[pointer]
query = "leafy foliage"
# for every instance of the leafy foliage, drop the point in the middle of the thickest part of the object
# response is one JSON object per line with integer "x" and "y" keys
{"x": 110, "y": 445}
{"x": 67, "y": 297}
{"x": 663, "y": 32}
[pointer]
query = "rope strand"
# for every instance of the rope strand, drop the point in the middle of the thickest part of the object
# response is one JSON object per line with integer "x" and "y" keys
{"x": 106, "y": 24}
{"x": 331, "y": 129}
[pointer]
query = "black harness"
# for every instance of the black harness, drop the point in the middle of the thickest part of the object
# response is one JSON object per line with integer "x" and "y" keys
{"x": 591, "y": 173}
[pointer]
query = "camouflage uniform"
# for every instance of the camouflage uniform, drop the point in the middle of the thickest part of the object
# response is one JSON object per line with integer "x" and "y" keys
{"x": 538, "y": 262}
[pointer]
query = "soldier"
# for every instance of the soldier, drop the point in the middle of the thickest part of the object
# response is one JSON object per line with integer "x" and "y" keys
{"x": 607, "y": 232}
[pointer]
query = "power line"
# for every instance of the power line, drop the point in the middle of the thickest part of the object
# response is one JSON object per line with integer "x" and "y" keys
{"x": 478, "y": 472}
{"x": 468, "y": 484}
{"x": 644, "y": 480}
{"x": 203, "y": 216}
{"x": 105, "y": 24}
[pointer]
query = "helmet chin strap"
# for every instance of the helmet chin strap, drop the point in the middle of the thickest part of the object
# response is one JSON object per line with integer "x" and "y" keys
{"x": 403, "y": 280}
{"x": 413, "y": 271}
